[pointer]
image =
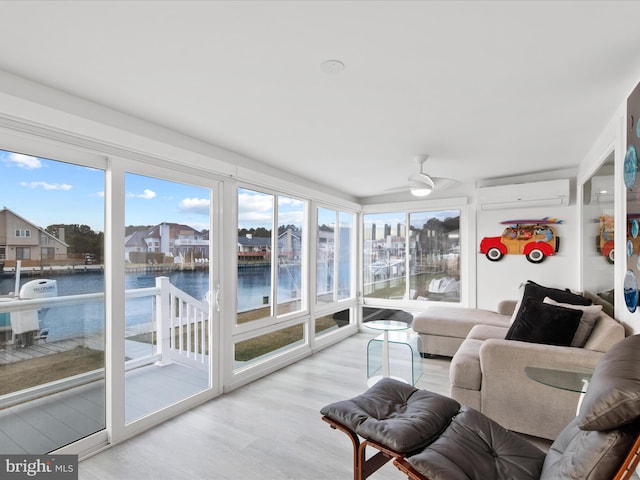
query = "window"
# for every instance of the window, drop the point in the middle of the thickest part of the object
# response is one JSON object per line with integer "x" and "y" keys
{"x": 23, "y": 253}
{"x": 254, "y": 349}
{"x": 290, "y": 254}
{"x": 333, "y": 258}
{"x": 58, "y": 194}
{"x": 255, "y": 226}
{"x": 271, "y": 251}
{"x": 257, "y": 287}
{"x": 385, "y": 245}
{"x": 48, "y": 253}
{"x": 431, "y": 271}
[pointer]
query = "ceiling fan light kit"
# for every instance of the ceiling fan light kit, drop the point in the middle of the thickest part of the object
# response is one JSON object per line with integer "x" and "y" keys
{"x": 420, "y": 184}
{"x": 420, "y": 191}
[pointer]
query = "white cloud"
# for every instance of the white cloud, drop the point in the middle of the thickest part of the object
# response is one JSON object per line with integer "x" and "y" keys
{"x": 291, "y": 218}
{"x": 290, "y": 202}
{"x": 46, "y": 186}
{"x": 22, "y": 161}
{"x": 255, "y": 210}
{"x": 196, "y": 205}
{"x": 146, "y": 194}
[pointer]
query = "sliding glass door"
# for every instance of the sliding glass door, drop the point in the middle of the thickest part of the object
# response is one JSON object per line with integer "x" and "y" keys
{"x": 167, "y": 293}
{"x": 52, "y": 315}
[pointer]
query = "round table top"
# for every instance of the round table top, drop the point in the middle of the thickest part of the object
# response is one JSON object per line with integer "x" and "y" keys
{"x": 573, "y": 379}
{"x": 388, "y": 325}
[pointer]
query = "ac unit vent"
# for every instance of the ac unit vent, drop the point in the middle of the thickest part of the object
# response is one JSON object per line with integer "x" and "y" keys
{"x": 522, "y": 195}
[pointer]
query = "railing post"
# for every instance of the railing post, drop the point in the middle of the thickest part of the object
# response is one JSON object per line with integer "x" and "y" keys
{"x": 163, "y": 316}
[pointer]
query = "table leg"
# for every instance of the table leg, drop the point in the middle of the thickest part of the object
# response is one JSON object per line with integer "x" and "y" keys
{"x": 585, "y": 384}
{"x": 385, "y": 355}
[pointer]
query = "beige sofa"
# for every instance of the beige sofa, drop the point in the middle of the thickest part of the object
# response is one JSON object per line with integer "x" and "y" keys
{"x": 488, "y": 373}
{"x": 443, "y": 328}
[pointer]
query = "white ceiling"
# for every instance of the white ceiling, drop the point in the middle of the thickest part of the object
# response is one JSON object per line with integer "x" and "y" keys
{"x": 488, "y": 89}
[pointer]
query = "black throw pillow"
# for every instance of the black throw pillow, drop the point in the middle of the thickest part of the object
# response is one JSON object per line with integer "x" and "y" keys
{"x": 544, "y": 323}
{"x": 532, "y": 289}
{"x": 539, "y": 292}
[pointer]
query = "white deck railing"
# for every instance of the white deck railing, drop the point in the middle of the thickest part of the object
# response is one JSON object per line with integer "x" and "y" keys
{"x": 182, "y": 328}
{"x": 181, "y": 331}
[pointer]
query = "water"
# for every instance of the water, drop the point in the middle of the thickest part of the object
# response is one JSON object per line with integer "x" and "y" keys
{"x": 88, "y": 319}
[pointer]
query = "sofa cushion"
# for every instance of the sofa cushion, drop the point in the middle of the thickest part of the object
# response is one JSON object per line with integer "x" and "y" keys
{"x": 544, "y": 323}
{"x": 539, "y": 292}
{"x": 454, "y": 321}
{"x": 613, "y": 396}
{"x": 395, "y": 414}
{"x": 590, "y": 315}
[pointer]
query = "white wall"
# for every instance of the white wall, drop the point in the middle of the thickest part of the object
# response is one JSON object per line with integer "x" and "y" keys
{"x": 496, "y": 281}
{"x": 612, "y": 139}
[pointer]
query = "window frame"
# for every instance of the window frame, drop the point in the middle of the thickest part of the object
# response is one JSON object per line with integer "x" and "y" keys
{"x": 467, "y": 258}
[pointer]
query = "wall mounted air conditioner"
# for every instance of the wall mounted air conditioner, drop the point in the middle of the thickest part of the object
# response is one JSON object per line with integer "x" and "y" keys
{"x": 521, "y": 195}
{"x": 600, "y": 190}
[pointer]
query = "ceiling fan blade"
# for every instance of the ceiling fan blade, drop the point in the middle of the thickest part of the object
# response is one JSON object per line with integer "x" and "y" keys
{"x": 442, "y": 183}
{"x": 404, "y": 188}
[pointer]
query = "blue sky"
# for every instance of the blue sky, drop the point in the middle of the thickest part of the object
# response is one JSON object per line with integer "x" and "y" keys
{"x": 47, "y": 192}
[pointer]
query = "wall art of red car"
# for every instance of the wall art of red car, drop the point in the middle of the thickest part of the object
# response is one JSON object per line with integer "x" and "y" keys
{"x": 535, "y": 239}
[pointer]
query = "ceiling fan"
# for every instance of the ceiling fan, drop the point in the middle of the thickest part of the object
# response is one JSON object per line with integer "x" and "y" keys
{"x": 420, "y": 184}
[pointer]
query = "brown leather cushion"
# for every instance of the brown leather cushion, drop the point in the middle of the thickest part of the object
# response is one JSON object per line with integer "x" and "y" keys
{"x": 395, "y": 414}
{"x": 588, "y": 455}
{"x": 613, "y": 396}
{"x": 474, "y": 447}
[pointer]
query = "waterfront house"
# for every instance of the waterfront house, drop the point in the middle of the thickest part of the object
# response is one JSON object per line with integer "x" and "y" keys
{"x": 253, "y": 249}
{"x": 290, "y": 244}
{"x": 135, "y": 244}
{"x": 172, "y": 240}
{"x": 32, "y": 245}
{"x": 522, "y": 104}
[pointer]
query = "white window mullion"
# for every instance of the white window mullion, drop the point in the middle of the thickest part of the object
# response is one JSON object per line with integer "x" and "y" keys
{"x": 115, "y": 299}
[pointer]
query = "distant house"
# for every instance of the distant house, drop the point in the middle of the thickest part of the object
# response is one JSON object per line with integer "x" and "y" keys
{"x": 254, "y": 249}
{"x": 169, "y": 240}
{"x": 290, "y": 245}
{"x": 134, "y": 244}
{"x": 22, "y": 240}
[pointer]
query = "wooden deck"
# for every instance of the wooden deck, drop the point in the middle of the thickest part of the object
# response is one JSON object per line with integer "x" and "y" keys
{"x": 11, "y": 354}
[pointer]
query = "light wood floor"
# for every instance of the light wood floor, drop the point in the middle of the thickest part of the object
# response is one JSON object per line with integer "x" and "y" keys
{"x": 269, "y": 429}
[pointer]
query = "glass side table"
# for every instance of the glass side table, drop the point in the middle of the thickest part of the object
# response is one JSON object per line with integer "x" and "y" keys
{"x": 397, "y": 337}
{"x": 573, "y": 379}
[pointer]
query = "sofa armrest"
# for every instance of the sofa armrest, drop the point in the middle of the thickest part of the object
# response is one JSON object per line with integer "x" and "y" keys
{"x": 507, "y": 394}
{"x": 507, "y": 307}
{"x": 484, "y": 332}
{"x": 499, "y": 356}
